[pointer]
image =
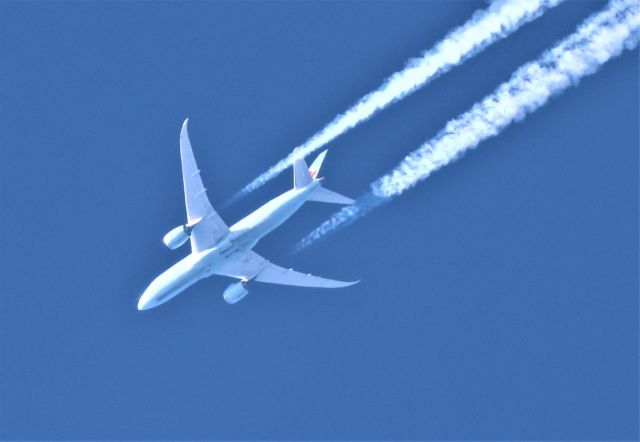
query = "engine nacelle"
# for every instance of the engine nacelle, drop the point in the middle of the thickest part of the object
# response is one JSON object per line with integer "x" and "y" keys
{"x": 235, "y": 292}
{"x": 176, "y": 237}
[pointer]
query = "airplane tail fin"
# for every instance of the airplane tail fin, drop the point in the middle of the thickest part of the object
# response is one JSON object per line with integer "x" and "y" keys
{"x": 314, "y": 170}
{"x": 303, "y": 175}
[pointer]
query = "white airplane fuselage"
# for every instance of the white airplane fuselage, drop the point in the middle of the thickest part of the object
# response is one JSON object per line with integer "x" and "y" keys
{"x": 242, "y": 237}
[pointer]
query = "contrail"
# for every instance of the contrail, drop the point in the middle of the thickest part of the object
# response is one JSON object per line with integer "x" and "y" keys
{"x": 599, "y": 38}
{"x": 485, "y": 27}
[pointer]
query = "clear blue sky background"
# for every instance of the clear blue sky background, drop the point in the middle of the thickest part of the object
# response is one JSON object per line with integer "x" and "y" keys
{"x": 499, "y": 299}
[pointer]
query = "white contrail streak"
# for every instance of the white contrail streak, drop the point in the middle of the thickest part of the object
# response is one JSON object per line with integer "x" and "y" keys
{"x": 601, "y": 37}
{"x": 485, "y": 27}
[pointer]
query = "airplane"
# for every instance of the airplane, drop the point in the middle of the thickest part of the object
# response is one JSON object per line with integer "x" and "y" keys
{"x": 217, "y": 249}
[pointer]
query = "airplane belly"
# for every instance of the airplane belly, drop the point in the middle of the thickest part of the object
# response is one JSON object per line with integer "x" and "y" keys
{"x": 271, "y": 221}
{"x": 219, "y": 249}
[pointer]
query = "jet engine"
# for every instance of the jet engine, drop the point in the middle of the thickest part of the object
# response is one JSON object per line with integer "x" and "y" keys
{"x": 235, "y": 292}
{"x": 176, "y": 237}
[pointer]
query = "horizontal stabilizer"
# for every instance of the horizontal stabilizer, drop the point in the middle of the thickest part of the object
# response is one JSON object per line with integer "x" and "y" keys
{"x": 301, "y": 175}
{"x": 329, "y": 196}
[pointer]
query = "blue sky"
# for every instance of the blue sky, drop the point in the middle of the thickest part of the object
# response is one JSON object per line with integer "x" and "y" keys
{"x": 499, "y": 298}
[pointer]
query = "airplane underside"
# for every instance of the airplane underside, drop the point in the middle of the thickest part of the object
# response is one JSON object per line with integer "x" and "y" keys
{"x": 217, "y": 249}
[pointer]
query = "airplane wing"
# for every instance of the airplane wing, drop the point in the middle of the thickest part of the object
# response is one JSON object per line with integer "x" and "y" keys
{"x": 253, "y": 266}
{"x": 209, "y": 227}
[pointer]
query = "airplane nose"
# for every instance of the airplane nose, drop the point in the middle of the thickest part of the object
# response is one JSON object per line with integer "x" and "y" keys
{"x": 142, "y": 304}
{"x": 146, "y": 301}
